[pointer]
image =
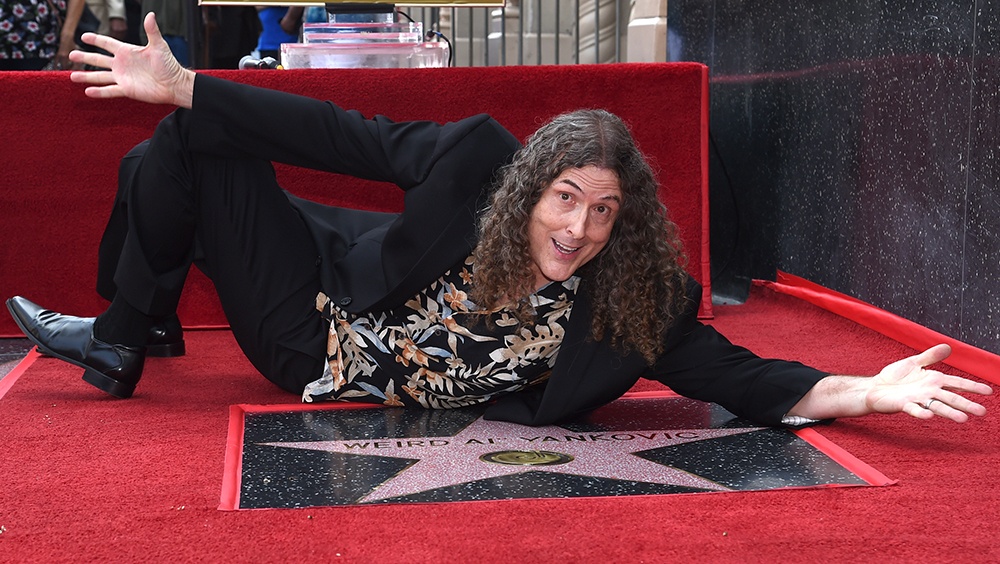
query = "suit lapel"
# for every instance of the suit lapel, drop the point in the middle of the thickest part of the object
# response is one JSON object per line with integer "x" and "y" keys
{"x": 588, "y": 373}
{"x": 453, "y": 243}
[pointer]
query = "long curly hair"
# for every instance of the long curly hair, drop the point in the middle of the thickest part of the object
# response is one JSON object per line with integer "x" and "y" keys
{"x": 636, "y": 283}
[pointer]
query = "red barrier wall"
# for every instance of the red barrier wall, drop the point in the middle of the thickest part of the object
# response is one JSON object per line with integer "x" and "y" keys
{"x": 59, "y": 162}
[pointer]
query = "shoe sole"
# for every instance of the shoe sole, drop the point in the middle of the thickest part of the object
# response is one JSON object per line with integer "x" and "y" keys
{"x": 90, "y": 376}
{"x": 168, "y": 350}
{"x": 107, "y": 383}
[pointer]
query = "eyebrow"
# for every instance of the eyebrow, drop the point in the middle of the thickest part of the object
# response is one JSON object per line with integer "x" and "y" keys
{"x": 614, "y": 197}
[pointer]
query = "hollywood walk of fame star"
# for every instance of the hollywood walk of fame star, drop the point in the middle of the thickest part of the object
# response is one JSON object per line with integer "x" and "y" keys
{"x": 458, "y": 459}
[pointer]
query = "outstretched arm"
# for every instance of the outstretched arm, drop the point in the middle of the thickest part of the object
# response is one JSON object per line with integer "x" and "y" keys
{"x": 904, "y": 386}
{"x": 148, "y": 74}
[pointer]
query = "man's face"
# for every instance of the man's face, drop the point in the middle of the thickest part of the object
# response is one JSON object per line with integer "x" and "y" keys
{"x": 572, "y": 222}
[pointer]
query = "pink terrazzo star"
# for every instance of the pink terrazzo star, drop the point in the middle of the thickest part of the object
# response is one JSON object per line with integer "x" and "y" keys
{"x": 452, "y": 460}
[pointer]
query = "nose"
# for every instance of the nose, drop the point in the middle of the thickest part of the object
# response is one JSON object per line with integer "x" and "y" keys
{"x": 577, "y": 225}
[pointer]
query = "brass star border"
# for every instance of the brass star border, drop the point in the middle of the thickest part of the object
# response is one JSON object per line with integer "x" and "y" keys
{"x": 307, "y": 455}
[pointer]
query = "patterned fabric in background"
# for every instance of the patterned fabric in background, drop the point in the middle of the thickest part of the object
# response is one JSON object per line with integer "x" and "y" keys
{"x": 438, "y": 351}
{"x": 29, "y": 29}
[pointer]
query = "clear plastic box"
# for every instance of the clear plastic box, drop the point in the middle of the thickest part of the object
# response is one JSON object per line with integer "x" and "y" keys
{"x": 363, "y": 55}
{"x": 412, "y": 32}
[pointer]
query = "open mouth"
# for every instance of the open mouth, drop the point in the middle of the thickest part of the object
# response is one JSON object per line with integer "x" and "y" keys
{"x": 564, "y": 249}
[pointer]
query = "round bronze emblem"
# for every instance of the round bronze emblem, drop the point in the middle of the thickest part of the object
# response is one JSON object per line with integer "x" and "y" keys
{"x": 526, "y": 457}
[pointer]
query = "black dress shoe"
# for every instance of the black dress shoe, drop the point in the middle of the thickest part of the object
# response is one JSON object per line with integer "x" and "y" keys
{"x": 116, "y": 369}
{"x": 166, "y": 338}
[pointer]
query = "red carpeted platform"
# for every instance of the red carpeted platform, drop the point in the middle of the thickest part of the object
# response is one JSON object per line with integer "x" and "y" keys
{"x": 87, "y": 478}
{"x": 61, "y": 153}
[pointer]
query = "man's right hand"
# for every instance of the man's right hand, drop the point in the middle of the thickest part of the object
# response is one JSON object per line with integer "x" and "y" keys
{"x": 148, "y": 74}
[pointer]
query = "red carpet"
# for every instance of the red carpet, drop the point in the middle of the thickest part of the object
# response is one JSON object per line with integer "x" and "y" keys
{"x": 86, "y": 478}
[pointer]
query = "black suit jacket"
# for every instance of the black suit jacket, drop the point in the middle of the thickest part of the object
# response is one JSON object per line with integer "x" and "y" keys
{"x": 375, "y": 261}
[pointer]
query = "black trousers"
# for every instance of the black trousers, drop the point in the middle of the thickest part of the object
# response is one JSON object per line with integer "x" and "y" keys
{"x": 229, "y": 217}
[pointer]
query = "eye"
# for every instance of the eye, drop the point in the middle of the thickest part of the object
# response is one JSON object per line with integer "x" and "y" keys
{"x": 604, "y": 213}
{"x": 564, "y": 196}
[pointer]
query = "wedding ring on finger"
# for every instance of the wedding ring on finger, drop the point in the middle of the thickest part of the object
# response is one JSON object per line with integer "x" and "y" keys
{"x": 928, "y": 404}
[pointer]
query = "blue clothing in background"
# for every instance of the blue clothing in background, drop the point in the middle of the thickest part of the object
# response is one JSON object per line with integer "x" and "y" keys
{"x": 271, "y": 38}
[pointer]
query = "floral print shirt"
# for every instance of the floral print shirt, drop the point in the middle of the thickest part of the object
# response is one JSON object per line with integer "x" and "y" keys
{"x": 439, "y": 350}
{"x": 29, "y": 29}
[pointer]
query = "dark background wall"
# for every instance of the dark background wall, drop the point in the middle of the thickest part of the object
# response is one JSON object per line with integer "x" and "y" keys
{"x": 855, "y": 144}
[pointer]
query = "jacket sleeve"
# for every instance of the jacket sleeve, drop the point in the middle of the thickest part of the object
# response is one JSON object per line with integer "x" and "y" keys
{"x": 702, "y": 364}
{"x": 241, "y": 121}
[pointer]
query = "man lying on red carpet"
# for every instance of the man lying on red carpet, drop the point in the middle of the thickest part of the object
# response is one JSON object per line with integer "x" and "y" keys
{"x": 544, "y": 280}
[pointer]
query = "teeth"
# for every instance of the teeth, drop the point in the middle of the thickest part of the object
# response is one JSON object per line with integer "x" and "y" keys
{"x": 564, "y": 248}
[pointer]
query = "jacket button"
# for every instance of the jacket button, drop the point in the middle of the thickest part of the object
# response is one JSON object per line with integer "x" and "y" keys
{"x": 344, "y": 302}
